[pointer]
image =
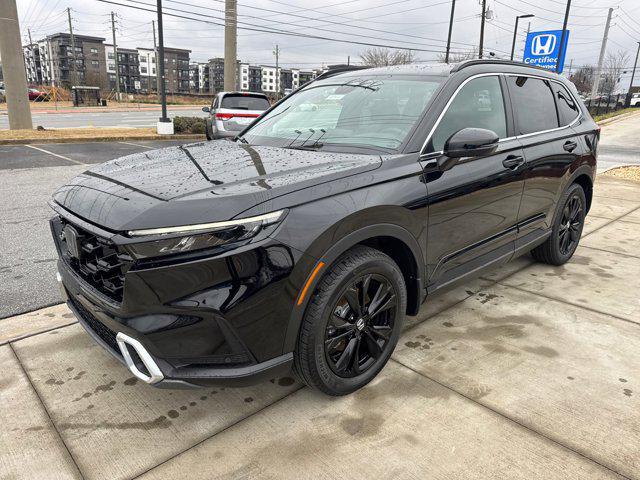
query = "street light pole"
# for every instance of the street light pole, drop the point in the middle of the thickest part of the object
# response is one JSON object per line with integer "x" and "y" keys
{"x": 453, "y": 9}
{"x": 164, "y": 125}
{"x": 633, "y": 74}
{"x": 563, "y": 37}
{"x": 483, "y": 17}
{"x": 515, "y": 32}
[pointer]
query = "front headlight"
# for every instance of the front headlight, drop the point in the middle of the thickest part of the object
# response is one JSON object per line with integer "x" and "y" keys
{"x": 187, "y": 238}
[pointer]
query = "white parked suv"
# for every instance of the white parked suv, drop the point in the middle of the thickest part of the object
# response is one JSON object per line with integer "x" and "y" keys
{"x": 231, "y": 112}
{"x": 635, "y": 100}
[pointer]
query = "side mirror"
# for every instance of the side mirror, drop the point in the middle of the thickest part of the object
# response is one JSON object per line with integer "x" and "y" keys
{"x": 206, "y": 109}
{"x": 471, "y": 142}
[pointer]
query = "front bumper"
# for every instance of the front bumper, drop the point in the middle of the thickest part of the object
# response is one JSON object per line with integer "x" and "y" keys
{"x": 212, "y": 320}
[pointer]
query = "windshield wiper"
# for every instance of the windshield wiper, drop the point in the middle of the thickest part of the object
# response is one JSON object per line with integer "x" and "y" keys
{"x": 241, "y": 139}
{"x": 314, "y": 147}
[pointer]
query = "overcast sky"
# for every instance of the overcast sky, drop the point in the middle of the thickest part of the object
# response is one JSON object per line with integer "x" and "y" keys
{"x": 419, "y": 24}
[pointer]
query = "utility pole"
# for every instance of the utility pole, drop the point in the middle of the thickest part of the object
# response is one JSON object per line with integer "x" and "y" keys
{"x": 603, "y": 48}
{"x": 165, "y": 125}
{"x": 74, "y": 79}
{"x": 276, "y": 52}
{"x": 115, "y": 56}
{"x": 30, "y": 39}
{"x": 230, "y": 44}
{"x": 348, "y": 59}
{"x": 633, "y": 74}
{"x": 13, "y": 67}
{"x": 563, "y": 38}
{"x": 453, "y": 9}
{"x": 155, "y": 51}
{"x": 515, "y": 32}
{"x": 483, "y": 17}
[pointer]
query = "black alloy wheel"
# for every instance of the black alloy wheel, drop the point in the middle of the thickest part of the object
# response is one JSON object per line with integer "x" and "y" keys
{"x": 360, "y": 327}
{"x": 567, "y": 228}
{"x": 570, "y": 225}
{"x": 352, "y": 322}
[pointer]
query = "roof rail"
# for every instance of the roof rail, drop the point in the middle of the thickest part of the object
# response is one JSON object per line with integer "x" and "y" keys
{"x": 336, "y": 69}
{"x": 496, "y": 61}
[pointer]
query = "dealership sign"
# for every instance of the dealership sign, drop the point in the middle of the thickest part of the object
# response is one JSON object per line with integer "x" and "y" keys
{"x": 542, "y": 49}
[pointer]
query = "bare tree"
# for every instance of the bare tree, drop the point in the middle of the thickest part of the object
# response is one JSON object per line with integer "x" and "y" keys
{"x": 613, "y": 65}
{"x": 583, "y": 78}
{"x": 383, "y": 57}
{"x": 457, "y": 57}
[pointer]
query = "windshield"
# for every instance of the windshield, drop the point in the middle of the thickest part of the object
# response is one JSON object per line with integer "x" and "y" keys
{"x": 368, "y": 111}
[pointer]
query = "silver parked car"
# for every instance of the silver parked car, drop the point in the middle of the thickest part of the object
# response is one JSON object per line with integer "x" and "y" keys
{"x": 231, "y": 112}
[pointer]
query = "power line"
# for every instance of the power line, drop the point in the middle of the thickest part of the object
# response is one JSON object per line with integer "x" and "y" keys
{"x": 277, "y": 32}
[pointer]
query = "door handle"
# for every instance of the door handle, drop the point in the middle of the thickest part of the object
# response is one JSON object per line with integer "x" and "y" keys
{"x": 569, "y": 146}
{"x": 513, "y": 161}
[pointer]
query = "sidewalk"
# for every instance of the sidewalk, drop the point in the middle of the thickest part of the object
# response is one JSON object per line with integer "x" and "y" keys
{"x": 529, "y": 372}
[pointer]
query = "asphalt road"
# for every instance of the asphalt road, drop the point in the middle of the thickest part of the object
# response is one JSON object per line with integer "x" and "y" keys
{"x": 134, "y": 118}
{"x": 30, "y": 174}
{"x": 28, "y": 177}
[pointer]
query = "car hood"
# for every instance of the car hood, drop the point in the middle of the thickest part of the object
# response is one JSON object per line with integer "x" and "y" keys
{"x": 198, "y": 183}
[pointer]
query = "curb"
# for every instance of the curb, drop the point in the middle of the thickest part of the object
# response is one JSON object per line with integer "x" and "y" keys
{"x": 28, "y": 141}
{"x": 607, "y": 121}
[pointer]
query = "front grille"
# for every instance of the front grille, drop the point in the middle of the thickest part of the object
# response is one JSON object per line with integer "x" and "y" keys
{"x": 107, "y": 335}
{"x": 95, "y": 259}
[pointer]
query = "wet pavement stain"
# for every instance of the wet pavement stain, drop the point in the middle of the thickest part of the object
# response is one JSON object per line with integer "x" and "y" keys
{"x": 286, "y": 381}
{"x": 447, "y": 324}
{"x": 487, "y": 297}
{"x": 543, "y": 351}
{"x": 623, "y": 380}
{"x": 412, "y": 344}
{"x": 628, "y": 392}
{"x": 248, "y": 399}
{"x": 570, "y": 378}
{"x": 130, "y": 381}
{"x": 173, "y": 414}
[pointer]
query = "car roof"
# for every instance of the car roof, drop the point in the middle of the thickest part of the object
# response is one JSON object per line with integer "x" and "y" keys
{"x": 444, "y": 69}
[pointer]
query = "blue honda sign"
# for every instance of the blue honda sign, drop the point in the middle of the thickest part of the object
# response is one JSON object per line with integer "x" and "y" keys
{"x": 542, "y": 49}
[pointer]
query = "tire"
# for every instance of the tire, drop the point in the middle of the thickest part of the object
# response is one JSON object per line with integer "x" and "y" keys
{"x": 331, "y": 330}
{"x": 559, "y": 248}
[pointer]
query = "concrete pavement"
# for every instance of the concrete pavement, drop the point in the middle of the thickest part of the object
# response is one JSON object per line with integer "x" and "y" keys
{"x": 529, "y": 372}
{"x": 620, "y": 143}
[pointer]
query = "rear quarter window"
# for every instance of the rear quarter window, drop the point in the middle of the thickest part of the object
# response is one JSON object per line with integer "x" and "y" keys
{"x": 568, "y": 109}
{"x": 533, "y": 104}
{"x": 245, "y": 102}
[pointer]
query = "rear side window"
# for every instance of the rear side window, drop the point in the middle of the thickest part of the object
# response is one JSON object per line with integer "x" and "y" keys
{"x": 568, "y": 109}
{"x": 244, "y": 102}
{"x": 479, "y": 104}
{"x": 533, "y": 104}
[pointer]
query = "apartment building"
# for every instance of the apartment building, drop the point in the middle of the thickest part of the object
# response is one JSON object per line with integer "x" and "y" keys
{"x": 250, "y": 78}
{"x": 53, "y": 61}
{"x": 128, "y": 69}
{"x": 176, "y": 70}
{"x": 147, "y": 63}
{"x": 203, "y": 78}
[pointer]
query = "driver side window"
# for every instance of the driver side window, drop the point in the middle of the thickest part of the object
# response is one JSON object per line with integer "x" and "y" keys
{"x": 479, "y": 104}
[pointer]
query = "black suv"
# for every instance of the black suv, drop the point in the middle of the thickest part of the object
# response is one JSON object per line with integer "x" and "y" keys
{"x": 302, "y": 244}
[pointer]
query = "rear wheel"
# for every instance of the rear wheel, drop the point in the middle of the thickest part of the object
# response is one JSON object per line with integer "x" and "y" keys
{"x": 353, "y": 322}
{"x": 567, "y": 229}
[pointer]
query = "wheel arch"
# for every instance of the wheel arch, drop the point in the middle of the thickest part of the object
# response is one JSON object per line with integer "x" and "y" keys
{"x": 585, "y": 181}
{"x": 393, "y": 240}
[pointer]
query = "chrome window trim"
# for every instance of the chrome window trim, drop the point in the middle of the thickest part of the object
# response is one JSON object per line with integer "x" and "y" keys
{"x": 446, "y": 107}
{"x": 498, "y": 74}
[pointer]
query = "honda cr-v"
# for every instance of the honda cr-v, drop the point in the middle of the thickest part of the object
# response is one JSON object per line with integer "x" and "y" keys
{"x": 302, "y": 244}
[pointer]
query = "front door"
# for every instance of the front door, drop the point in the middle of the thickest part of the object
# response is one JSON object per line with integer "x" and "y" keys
{"x": 473, "y": 207}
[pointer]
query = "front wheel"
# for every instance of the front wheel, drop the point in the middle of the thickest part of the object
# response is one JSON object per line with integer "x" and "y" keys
{"x": 566, "y": 230}
{"x": 353, "y": 322}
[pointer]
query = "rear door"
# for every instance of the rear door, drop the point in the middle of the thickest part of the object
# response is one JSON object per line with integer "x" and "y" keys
{"x": 237, "y": 110}
{"x": 473, "y": 207}
{"x": 550, "y": 147}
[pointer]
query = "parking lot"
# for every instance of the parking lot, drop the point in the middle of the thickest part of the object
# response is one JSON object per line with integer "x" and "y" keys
{"x": 529, "y": 372}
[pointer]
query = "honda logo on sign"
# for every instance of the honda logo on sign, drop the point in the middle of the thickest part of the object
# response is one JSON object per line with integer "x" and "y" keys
{"x": 543, "y": 49}
{"x": 543, "y": 44}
